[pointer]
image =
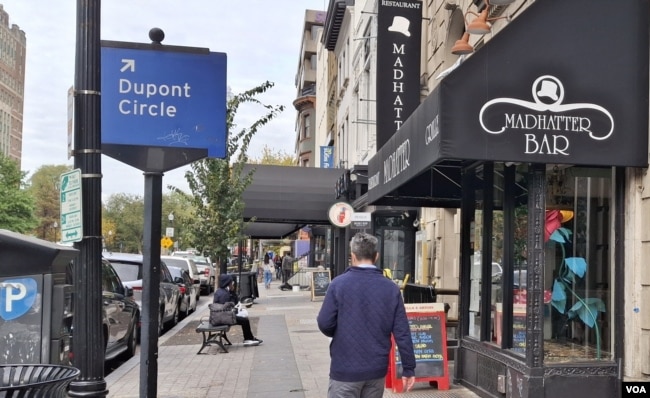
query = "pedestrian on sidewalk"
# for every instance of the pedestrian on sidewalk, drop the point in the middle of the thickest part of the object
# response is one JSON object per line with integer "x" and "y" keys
{"x": 360, "y": 312}
{"x": 278, "y": 266}
{"x": 287, "y": 268}
{"x": 225, "y": 293}
{"x": 268, "y": 270}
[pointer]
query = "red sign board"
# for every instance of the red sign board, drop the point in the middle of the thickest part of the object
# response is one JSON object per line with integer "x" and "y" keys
{"x": 429, "y": 335}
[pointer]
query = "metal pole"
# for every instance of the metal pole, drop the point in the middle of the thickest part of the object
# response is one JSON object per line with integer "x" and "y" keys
{"x": 88, "y": 341}
{"x": 240, "y": 258}
{"x": 151, "y": 284}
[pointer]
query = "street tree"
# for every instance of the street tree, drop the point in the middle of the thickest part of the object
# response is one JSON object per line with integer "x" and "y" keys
{"x": 217, "y": 185}
{"x": 275, "y": 157}
{"x": 16, "y": 203}
{"x": 123, "y": 220}
{"x": 109, "y": 231}
{"x": 126, "y": 213}
{"x": 180, "y": 206}
{"x": 44, "y": 187}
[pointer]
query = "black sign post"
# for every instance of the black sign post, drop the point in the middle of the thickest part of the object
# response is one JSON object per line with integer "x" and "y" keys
{"x": 156, "y": 138}
{"x": 87, "y": 345}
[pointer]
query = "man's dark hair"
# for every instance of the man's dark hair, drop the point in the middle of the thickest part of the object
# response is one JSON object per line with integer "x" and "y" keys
{"x": 364, "y": 246}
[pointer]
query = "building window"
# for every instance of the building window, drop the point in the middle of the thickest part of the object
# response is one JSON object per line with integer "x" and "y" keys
{"x": 341, "y": 145}
{"x": 306, "y": 127}
{"x": 366, "y": 43}
{"x": 393, "y": 252}
{"x": 578, "y": 272}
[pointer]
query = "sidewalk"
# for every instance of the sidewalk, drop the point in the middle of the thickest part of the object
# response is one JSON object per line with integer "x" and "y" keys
{"x": 293, "y": 361}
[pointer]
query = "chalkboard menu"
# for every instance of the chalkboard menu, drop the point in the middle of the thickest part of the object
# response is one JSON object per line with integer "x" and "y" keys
{"x": 320, "y": 281}
{"x": 429, "y": 345}
{"x": 519, "y": 332}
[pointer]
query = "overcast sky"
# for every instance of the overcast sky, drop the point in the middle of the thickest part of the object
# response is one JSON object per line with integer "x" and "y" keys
{"x": 260, "y": 37}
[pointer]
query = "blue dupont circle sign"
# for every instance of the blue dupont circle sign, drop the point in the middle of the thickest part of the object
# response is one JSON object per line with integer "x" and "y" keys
{"x": 162, "y": 97}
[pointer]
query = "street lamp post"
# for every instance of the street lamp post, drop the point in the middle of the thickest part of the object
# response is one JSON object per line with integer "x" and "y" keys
{"x": 170, "y": 230}
{"x": 88, "y": 343}
{"x": 110, "y": 240}
{"x": 55, "y": 225}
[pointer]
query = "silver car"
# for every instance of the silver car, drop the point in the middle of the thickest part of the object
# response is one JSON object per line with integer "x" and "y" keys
{"x": 129, "y": 268}
{"x": 205, "y": 267}
{"x": 189, "y": 290}
{"x": 190, "y": 266}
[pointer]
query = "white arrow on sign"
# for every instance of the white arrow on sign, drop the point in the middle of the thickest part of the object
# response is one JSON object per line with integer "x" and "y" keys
{"x": 128, "y": 64}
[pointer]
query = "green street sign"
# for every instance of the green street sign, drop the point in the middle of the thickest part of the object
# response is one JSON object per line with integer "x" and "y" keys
{"x": 71, "y": 209}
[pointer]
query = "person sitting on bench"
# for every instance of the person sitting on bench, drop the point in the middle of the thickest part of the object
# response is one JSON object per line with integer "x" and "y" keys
{"x": 226, "y": 292}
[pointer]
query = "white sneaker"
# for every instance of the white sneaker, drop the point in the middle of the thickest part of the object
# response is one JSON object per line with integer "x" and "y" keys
{"x": 251, "y": 342}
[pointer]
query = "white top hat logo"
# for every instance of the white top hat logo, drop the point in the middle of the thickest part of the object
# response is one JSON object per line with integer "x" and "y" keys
{"x": 400, "y": 25}
{"x": 548, "y": 88}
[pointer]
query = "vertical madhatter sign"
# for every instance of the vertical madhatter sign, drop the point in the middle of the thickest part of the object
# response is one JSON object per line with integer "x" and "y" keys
{"x": 399, "y": 31}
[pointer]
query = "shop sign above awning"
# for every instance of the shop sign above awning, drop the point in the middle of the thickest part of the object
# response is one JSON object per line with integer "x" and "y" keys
{"x": 548, "y": 88}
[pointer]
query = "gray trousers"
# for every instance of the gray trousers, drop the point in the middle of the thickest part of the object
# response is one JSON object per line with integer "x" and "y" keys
{"x": 357, "y": 389}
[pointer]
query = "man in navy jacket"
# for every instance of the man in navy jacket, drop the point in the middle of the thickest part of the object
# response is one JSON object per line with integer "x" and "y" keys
{"x": 361, "y": 310}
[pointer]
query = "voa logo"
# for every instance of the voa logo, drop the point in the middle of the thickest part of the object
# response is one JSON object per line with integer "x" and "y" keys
{"x": 636, "y": 388}
{"x": 17, "y": 296}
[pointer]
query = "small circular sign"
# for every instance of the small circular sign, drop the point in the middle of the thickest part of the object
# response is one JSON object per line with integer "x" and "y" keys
{"x": 340, "y": 214}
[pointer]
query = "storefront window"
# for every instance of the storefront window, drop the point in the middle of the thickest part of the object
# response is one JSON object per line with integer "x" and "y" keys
{"x": 497, "y": 241}
{"x": 393, "y": 253}
{"x": 475, "y": 275}
{"x": 578, "y": 269}
{"x": 519, "y": 259}
{"x": 519, "y": 275}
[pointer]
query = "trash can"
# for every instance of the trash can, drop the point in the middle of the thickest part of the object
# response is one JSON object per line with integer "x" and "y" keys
{"x": 35, "y": 380}
{"x": 247, "y": 285}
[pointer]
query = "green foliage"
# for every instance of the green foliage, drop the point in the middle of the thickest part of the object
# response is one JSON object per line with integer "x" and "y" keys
{"x": 217, "y": 185}
{"x": 123, "y": 220}
{"x": 180, "y": 205}
{"x": 16, "y": 203}
{"x": 126, "y": 213}
{"x": 44, "y": 187}
{"x": 275, "y": 157}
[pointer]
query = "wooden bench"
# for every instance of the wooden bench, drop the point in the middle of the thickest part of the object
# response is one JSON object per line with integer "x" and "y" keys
{"x": 213, "y": 335}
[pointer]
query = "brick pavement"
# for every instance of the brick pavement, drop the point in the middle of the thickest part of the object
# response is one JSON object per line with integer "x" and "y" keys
{"x": 293, "y": 361}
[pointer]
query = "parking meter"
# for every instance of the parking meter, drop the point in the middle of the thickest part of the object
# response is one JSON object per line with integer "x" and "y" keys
{"x": 35, "y": 300}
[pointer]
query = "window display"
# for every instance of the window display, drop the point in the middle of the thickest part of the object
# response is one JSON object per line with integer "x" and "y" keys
{"x": 578, "y": 269}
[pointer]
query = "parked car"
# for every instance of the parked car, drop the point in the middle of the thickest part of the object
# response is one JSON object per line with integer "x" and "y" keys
{"x": 188, "y": 289}
{"x": 120, "y": 314}
{"x": 129, "y": 267}
{"x": 205, "y": 268}
{"x": 188, "y": 265}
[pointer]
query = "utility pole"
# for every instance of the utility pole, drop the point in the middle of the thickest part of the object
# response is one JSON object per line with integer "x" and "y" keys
{"x": 87, "y": 343}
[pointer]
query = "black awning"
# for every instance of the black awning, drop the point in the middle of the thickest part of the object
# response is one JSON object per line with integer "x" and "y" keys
{"x": 282, "y": 199}
{"x": 551, "y": 87}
